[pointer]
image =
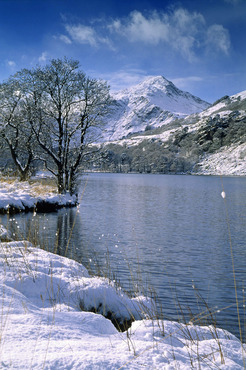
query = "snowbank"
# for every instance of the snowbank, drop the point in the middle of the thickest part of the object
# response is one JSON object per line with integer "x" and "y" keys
{"x": 45, "y": 321}
{"x": 18, "y": 196}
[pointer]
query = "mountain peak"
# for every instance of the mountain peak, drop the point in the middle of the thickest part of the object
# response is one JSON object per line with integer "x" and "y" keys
{"x": 153, "y": 102}
{"x": 156, "y": 80}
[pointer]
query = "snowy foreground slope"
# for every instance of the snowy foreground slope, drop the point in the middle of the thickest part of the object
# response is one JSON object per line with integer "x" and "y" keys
{"x": 45, "y": 323}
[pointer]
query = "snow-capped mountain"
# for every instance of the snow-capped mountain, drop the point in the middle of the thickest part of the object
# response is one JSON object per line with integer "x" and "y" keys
{"x": 212, "y": 141}
{"x": 152, "y": 103}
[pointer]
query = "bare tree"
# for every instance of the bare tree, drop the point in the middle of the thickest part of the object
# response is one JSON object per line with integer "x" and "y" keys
{"x": 52, "y": 114}
{"x": 66, "y": 116}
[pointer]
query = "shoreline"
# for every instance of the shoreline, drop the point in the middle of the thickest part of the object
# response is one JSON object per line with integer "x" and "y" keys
{"x": 17, "y": 197}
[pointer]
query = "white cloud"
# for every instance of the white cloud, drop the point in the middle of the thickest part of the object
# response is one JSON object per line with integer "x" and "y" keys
{"x": 122, "y": 79}
{"x": 82, "y": 34}
{"x": 43, "y": 57}
{"x": 183, "y": 31}
{"x": 85, "y": 35}
{"x": 218, "y": 39}
{"x": 11, "y": 63}
{"x": 139, "y": 28}
{"x": 65, "y": 39}
{"x": 185, "y": 82}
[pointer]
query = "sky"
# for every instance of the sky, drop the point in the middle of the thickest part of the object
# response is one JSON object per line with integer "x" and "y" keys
{"x": 198, "y": 45}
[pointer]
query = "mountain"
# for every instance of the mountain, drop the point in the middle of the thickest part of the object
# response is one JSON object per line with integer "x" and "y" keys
{"x": 211, "y": 142}
{"x": 150, "y": 104}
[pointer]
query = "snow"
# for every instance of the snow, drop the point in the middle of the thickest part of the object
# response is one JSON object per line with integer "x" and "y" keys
{"x": 241, "y": 95}
{"x": 139, "y": 138}
{"x": 46, "y": 323}
{"x": 222, "y": 105}
{"x": 227, "y": 161}
{"x": 21, "y": 196}
{"x": 212, "y": 110}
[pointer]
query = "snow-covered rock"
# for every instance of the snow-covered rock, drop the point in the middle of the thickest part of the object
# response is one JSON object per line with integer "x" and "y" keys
{"x": 152, "y": 103}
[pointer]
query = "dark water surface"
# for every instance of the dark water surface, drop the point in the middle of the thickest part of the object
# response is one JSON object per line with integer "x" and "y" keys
{"x": 165, "y": 233}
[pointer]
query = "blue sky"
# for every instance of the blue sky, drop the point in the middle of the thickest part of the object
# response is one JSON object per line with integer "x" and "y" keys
{"x": 198, "y": 45}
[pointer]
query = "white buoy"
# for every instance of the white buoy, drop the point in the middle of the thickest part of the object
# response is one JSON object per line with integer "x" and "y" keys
{"x": 223, "y": 194}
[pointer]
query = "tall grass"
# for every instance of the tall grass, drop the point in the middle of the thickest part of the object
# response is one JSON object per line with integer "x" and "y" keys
{"x": 223, "y": 194}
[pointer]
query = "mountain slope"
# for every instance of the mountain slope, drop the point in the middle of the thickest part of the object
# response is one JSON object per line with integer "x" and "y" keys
{"x": 222, "y": 130}
{"x": 152, "y": 103}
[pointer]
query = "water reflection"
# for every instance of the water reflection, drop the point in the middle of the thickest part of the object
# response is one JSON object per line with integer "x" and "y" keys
{"x": 51, "y": 231}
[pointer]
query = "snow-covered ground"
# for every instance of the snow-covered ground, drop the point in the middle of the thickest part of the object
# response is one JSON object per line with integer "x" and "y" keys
{"x": 227, "y": 161}
{"x": 139, "y": 138}
{"x": 45, "y": 323}
{"x": 20, "y": 196}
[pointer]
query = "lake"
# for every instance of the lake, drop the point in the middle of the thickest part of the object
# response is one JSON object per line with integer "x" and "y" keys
{"x": 163, "y": 235}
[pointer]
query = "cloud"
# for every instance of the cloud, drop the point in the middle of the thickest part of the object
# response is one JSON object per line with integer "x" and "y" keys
{"x": 43, "y": 57}
{"x": 183, "y": 31}
{"x": 65, "y": 39}
{"x": 123, "y": 78}
{"x": 218, "y": 39}
{"x": 188, "y": 83}
{"x": 11, "y": 63}
{"x": 139, "y": 28}
{"x": 185, "y": 82}
{"x": 84, "y": 35}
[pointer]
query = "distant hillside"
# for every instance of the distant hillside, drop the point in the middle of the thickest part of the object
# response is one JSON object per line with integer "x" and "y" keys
{"x": 210, "y": 142}
{"x": 150, "y": 104}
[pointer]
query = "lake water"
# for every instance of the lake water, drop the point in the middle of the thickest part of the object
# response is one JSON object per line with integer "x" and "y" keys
{"x": 169, "y": 235}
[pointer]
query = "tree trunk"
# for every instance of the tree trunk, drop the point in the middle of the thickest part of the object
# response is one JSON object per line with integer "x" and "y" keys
{"x": 60, "y": 180}
{"x": 22, "y": 171}
{"x": 24, "y": 174}
{"x": 72, "y": 181}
